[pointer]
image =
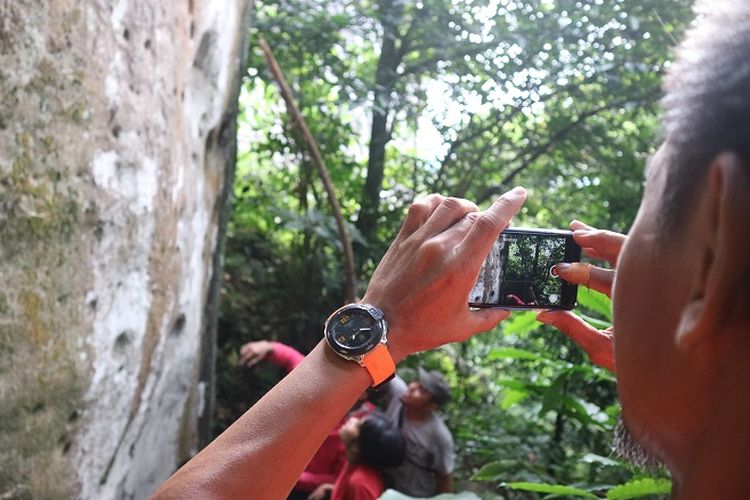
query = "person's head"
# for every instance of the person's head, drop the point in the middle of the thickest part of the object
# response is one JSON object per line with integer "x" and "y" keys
{"x": 428, "y": 392}
{"x": 682, "y": 291}
{"x": 373, "y": 440}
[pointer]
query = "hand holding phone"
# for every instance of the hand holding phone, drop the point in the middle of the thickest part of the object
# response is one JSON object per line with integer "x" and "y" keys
{"x": 597, "y": 244}
{"x": 520, "y": 271}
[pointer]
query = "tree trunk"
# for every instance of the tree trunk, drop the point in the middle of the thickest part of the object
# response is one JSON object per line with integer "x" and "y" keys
{"x": 116, "y": 159}
{"x": 385, "y": 78}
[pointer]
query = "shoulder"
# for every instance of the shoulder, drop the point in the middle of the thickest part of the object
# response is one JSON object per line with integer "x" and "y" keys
{"x": 366, "y": 473}
{"x": 365, "y": 481}
{"x": 396, "y": 386}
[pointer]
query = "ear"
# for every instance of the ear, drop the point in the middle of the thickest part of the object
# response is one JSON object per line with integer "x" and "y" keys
{"x": 722, "y": 220}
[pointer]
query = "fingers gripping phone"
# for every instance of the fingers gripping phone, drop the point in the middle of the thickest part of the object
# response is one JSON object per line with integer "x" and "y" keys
{"x": 519, "y": 273}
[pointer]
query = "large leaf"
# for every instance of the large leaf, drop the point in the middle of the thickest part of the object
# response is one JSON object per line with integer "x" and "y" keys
{"x": 512, "y": 398}
{"x": 596, "y": 323}
{"x": 595, "y": 301}
{"x": 592, "y": 458}
{"x": 556, "y": 489}
{"x": 521, "y": 323}
{"x": 492, "y": 470}
{"x": 640, "y": 488}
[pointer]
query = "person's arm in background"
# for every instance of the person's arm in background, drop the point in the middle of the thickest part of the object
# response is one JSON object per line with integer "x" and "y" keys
{"x": 446, "y": 460}
{"x": 422, "y": 285}
{"x": 279, "y": 354}
{"x": 309, "y": 481}
{"x": 396, "y": 388}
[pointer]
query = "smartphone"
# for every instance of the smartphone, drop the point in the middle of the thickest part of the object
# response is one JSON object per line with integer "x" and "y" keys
{"x": 519, "y": 271}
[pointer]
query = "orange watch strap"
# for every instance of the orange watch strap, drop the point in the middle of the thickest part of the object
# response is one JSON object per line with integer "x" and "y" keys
{"x": 379, "y": 364}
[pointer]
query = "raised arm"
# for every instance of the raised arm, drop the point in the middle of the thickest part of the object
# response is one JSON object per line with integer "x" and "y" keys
{"x": 279, "y": 354}
{"x": 422, "y": 285}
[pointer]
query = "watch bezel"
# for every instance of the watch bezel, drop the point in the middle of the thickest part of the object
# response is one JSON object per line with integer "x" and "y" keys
{"x": 376, "y": 338}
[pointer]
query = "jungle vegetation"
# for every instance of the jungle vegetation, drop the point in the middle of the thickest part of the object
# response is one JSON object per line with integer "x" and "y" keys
{"x": 465, "y": 98}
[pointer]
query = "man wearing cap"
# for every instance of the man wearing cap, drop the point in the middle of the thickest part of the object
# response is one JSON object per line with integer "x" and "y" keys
{"x": 428, "y": 465}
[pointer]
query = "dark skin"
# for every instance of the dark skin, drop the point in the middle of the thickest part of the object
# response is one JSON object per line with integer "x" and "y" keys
{"x": 681, "y": 335}
{"x": 601, "y": 245}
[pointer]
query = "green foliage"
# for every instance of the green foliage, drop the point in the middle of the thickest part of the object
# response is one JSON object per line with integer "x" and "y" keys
{"x": 596, "y": 302}
{"x": 554, "y": 489}
{"x": 475, "y": 96}
{"x": 639, "y": 488}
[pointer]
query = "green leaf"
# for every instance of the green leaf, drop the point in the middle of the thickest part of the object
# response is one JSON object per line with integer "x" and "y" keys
{"x": 640, "y": 488}
{"x": 513, "y": 397}
{"x": 596, "y": 323}
{"x": 521, "y": 323}
{"x": 513, "y": 353}
{"x": 578, "y": 411}
{"x": 556, "y": 489}
{"x": 592, "y": 458}
{"x": 596, "y": 301}
{"x": 490, "y": 471}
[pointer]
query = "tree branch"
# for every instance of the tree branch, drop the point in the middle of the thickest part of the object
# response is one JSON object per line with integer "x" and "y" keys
{"x": 298, "y": 119}
{"x": 554, "y": 139}
{"x": 471, "y": 132}
{"x": 442, "y": 56}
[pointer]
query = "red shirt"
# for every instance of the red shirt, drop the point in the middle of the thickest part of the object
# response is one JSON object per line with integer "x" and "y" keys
{"x": 358, "y": 482}
{"x": 284, "y": 356}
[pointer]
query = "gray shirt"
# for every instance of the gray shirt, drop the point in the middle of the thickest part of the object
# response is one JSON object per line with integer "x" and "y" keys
{"x": 429, "y": 448}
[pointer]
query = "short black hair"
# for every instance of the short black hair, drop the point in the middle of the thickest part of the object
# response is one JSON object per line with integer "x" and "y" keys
{"x": 380, "y": 442}
{"x": 707, "y": 100}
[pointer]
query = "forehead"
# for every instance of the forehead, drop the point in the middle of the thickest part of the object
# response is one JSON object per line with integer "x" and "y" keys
{"x": 421, "y": 387}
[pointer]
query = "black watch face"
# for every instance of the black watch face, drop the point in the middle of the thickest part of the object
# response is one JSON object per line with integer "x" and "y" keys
{"x": 354, "y": 331}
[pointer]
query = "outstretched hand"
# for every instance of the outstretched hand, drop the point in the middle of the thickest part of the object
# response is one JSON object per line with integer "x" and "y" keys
{"x": 422, "y": 284}
{"x": 253, "y": 353}
{"x": 597, "y": 244}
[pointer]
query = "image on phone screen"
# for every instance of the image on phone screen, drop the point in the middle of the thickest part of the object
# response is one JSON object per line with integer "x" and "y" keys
{"x": 519, "y": 271}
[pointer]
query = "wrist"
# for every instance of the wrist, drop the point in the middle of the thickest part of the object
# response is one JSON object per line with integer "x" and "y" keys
{"x": 359, "y": 333}
{"x": 343, "y": 368}
{"x": 395, "y": 336}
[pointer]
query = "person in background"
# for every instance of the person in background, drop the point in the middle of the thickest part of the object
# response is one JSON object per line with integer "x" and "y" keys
{"x": 373, "y": 443}
{"x": 428, "y": 466}
{"x": 329, "y": 460}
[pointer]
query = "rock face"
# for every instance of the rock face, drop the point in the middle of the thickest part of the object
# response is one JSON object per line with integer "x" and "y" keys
{"x": 116, "y": 153}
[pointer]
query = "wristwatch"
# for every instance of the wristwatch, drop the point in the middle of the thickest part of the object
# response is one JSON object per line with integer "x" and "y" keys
{"x": 358, "y": 332}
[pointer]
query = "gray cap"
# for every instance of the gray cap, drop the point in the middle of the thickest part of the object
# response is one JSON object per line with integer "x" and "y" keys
{"x": 434, "y": 382}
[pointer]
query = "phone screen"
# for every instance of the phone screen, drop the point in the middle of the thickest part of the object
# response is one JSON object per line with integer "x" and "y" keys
{"x": 519, "y": 271}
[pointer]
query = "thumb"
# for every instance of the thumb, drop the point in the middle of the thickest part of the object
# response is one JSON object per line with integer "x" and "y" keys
{"x": 483, "y": 320}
